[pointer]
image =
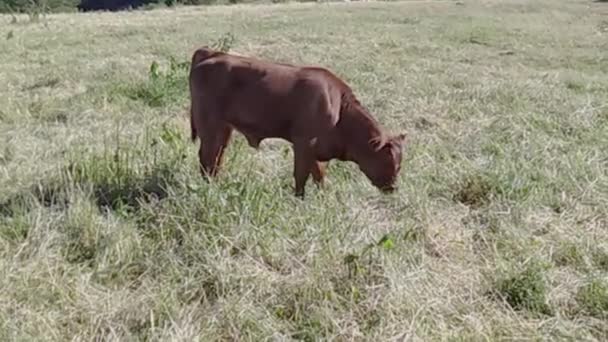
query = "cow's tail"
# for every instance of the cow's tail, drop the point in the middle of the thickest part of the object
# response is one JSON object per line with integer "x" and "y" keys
{"x": 194, "y": 105}
{"x": 194, "y": 111}
{"x": 193, "y": 133}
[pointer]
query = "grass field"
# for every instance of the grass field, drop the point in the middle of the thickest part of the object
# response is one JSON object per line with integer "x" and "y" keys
{"x": 499, "y": 230}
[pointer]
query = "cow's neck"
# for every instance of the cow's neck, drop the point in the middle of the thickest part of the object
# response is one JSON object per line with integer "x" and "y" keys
{"x": 358, "y": 127}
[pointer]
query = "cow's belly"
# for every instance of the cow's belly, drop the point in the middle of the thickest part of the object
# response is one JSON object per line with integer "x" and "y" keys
{"x": 259, "y": 126}
{"x": 259, "y": 118}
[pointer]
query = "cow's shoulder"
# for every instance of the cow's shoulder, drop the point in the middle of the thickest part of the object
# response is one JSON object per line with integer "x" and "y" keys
{"x": 324, "y": 75}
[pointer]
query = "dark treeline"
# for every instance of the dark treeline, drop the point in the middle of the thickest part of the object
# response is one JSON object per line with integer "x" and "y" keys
{"x": 24, "y": 6}
{"x": 117, "y": 5}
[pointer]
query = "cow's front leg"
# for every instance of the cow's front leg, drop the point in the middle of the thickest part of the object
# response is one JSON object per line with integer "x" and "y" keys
{"x": 303, "y": 163}
{"x": 211, "y": 151}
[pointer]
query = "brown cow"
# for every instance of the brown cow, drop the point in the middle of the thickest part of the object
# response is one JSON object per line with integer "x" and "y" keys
{"x": 307, "y": 106}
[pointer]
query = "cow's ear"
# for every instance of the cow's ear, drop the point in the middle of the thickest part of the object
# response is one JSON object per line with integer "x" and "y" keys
{"x": 377, "y": 143}
{"x": 400, "y": 137}
{"x": 391, "y": 148}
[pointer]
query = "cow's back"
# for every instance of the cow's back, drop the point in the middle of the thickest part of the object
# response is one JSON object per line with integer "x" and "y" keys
{"x": 267, "y": 99}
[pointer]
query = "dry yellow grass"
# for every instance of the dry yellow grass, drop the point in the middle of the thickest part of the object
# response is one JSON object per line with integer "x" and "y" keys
{"x": 499, "y": 230}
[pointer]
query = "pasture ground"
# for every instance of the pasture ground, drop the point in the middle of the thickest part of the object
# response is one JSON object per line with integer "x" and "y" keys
{"x": 499, "y": 230}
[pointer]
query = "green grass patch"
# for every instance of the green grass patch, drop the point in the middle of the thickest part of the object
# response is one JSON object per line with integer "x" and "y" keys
{"x": 593, "y": 298}
{"x": 525, "y": 289}
{"x": 161, "y": 88}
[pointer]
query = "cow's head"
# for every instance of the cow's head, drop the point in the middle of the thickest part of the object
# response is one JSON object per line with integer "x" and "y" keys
{"x": 383, "y": 163}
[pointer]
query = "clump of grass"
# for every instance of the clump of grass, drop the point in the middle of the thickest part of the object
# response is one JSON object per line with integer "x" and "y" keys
{"x": 355, "y": 261}
{"x": 170, "y": 86}
{"x": 118, "y": 179}
{"x": 356, "y": 286}
{"x": 35, "y": 9}
{"x": 162, "y": 87}
{"x": 600, "y": 258}
{"x": 14, "y": 229}
{"x": 125, "y": 176}
{"x": 575, "y": 86}
{"x": 475, "y": 191}
{"x": 525, "y": 289}
{"x": 569, "y": 254}
{"x": 82, "y": 235}
{"x": 593, "y": 298}
{"x": 479, "y": 189}
{"x": 50, "y": 192}
{"x": 298, "y": 307}
{"x": 364, "y": 271}
{"x": 225, "y": 42}
{"x": 116, "y": 188}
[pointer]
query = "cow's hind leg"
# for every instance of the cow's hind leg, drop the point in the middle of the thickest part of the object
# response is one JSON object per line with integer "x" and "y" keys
{"x": 318, "y": 172}
{"x": 211, "y": 152}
